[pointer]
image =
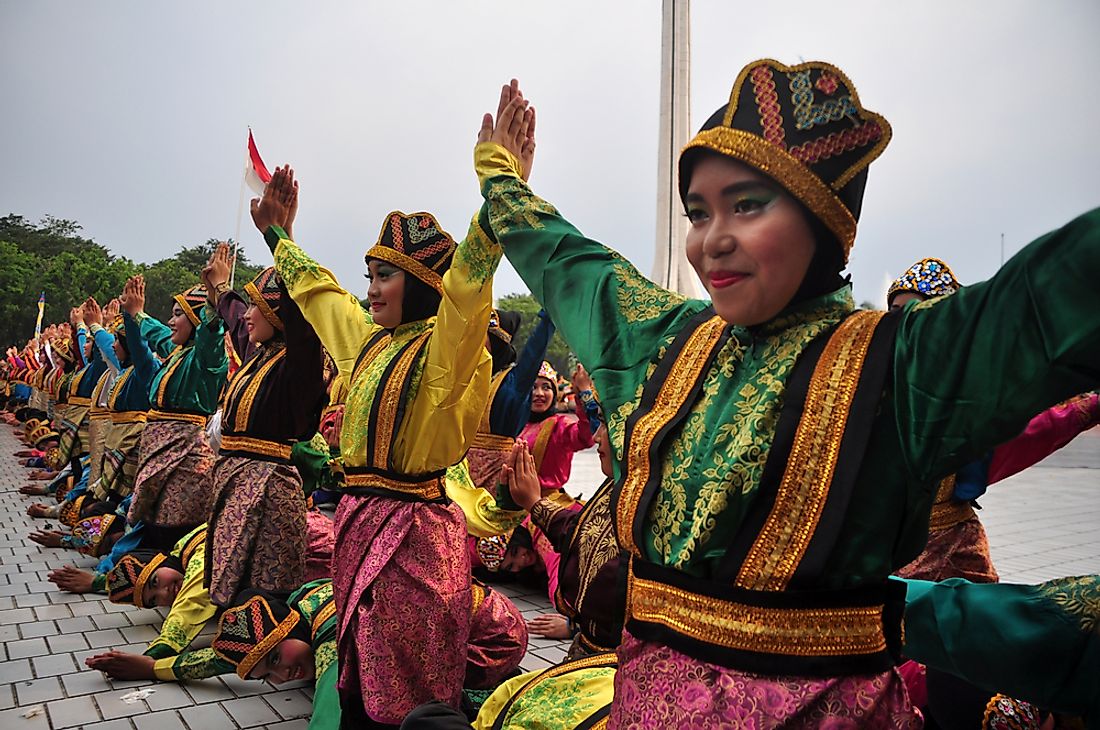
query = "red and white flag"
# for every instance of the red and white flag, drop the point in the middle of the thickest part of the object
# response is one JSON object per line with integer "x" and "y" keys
{"x": 256, "y": 175}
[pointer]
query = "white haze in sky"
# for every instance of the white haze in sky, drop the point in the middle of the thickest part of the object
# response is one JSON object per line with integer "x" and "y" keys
{"x": 132, "y": 118}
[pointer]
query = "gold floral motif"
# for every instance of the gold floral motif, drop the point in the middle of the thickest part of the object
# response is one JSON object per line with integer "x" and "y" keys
{"x": 292, "y": 263}
{"x": 788, "y": 631}
{"x": 594, "y": 539}
{"x": 477, "y": 255}
{"x": 386, "y": 425}
{"x": 511, "y": 202}
{"x": 791, "y": 524}
{"x": 639, "y": 299}
{"x": 1078, "y": 597}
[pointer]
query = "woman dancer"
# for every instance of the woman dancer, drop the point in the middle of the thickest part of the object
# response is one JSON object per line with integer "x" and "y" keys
{"x": 418, "y": 375}
{"x": 778, "y": 453}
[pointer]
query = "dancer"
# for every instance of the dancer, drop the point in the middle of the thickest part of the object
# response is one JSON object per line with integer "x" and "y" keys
{"x": 417, "y": 375}
{"x": 778, "y": 452}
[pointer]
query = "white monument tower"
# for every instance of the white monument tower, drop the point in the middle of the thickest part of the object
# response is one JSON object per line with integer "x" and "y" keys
{"x": 670, "y": 265}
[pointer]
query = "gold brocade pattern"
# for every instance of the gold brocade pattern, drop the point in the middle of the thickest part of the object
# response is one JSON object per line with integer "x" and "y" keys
{"x": 1078, "y": 597}
{"x": 512, "y": 201}
{"x": 946, "y": 510}
{"x": 793, "y": 520}
{"x": 639, "y": 299}
{"x": 478, "y": 255}
{"x": 789, "y": 631}
{"x": 364, "y": 388}
{"x": 246, "y": 444}
{"x": 387, "y": 425}
{"x": 684, "y": 372}
{"x": 546, "y": 430}
{"x": 251, "y": 380}
{"x": 717, "y": 457}
{"x": 169, "y": 370}
{"x": 594, "y": 539}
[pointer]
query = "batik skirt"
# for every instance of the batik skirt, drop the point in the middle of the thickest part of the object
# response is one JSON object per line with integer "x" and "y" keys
{"x": 172, "y": 486}
{"x": 401, "y": 578}
{"x": 257, "y": 528}
{"x": 120, "y": 458}
{"x": 659, "y": 687}
{"x": 958, "y": 551}
{"x": 498, "y": 639}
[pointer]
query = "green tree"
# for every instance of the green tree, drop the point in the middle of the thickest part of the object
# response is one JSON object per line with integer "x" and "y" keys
{"x": 558, "y": 353}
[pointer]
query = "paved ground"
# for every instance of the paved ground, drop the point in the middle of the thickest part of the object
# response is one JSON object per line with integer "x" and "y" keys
{"x": 1042, "y": 524}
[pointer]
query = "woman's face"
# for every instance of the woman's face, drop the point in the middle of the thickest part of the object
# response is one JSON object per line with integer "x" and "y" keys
{"x": 517, "y": 558}
{"x": 163, "y": 585}
{"x": 259, "y": 329}
{"x": 290, "y": 661}
{"x": 180, "y": 325}
{"x": 543, "y": 395}
{"x": 119, "y": 349}
{"x": 385, "y": 293}
{"x": 748, "y": 240}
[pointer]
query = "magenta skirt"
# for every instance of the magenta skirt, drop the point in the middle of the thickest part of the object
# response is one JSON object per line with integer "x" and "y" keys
{"x": 658, "y": 687}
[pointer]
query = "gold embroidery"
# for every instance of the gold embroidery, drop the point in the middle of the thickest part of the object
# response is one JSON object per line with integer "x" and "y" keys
{"x": 492, "y": 442}
{"x": 244, "y": 408}
{"x": 171, "y": 368}
{"x": 1079, "y": 597}
{"x": 246, "y": 444}
{"x": 786, "y": 534}
{"x": 595, "y": 540}
{"x": 946, "y": 510}
{"x": 367, "y": 359}
{"x": 682, "y": 375}
{"x": 386, "y": 425}
{"x": 327, "y": 611}
{"x": 116, "y": 389}
{"x": 787, "y": 631}
{"x": 477, "y": 595}
{"x": 511, "y": 203}
{"x": 639, "y": 299}
{"x": 155, "y": 415}
{"x": 427, "y": 489}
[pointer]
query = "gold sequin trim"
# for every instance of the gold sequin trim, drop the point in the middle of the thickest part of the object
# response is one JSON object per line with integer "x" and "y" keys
{"x": 387, "y": 410}
{"x": 187, "y": 309}
{"x": 790, "y": 526}
{"x": 116, "y": 388}
{"x": 409, "y": 264}
{"x": 120, "y": 417}
{"x": 492, "y": 442}
{"x": 155, "y": 415}
{"x": 687, "y": 369}
{"x": 366, "y": 360}
{"x": 788, "y": 631}
{"x": 428, "y": 489}
{"x": 249, "y": 445}
{"x": 789, "y": 172}
{"x": 946, "y": 510}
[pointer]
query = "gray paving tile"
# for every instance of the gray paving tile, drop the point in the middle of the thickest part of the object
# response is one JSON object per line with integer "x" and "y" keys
{"x": 14, "y": 718}
{"x": 72, "y": 712}
{"x": 106, "y": 637}
{"x": 38, "y": 690}
{"x": 122, "y": 724}
{"x": 168, "y": 696}
{"x": 245, "y": 687}
{"x": 110, "y": 620}
{"x": 85, "y": 681}
{"x": 15, "y": 670}
{"x": 75, "y": 625}
{"x": 250, "y": 711}
{"x": 143, "y": 634}
{"x": 27, "y": 648}
{"x": 27, "y": 600}
{"x": 290, "y": 725}
{"x": 53, "y": 665}
{"x": 87, "y": 608}
{"x": 7, "y": 696}
{"x": 37, "y": 628}
{"x": 16, "y": 616}
{"x": 167, "y": 720}
{"x": 111, "y": 705}
{"x": 11, "y": 632}
{"x": 208, "y": 690}
{"x": 206, "y": 717}
{"x": 48, "y": 612}
{"x": 290, "y": 704}
{"x": 66, "y": 642}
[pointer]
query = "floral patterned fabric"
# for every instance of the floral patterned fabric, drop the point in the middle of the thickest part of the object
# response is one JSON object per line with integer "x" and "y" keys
{"x": 658, "y": 687}
{"x": 172, "y": 487}
{"x": 498, "y": 640}
{"x": 402, "y": 577}
{"x": 959, "y": 551}
{"x": 257, "y": 535}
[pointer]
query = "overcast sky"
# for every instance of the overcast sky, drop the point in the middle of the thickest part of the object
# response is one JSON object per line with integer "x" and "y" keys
{"x": 131, "y": 118}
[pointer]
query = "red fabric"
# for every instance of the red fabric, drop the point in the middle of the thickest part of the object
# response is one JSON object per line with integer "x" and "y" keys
{"x": 1046, "y": 433}
{"x": 257, "y": 163}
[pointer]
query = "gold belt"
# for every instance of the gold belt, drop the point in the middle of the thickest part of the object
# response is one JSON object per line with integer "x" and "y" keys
{"x": 804, "y": 632}
{"x": 75, "y": 400}
{"x": 246, "y": 444}
{"x": 948, "y": 514}
{"x": 492, "y": 442}
{"x": 128, "y": 417}
{"x": 155, "y": 415}
{"x": 428, "y": 490}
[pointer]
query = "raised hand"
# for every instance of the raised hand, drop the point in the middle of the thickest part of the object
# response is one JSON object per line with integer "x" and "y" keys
{"x": 92, "y": 312}
{"x": 513, "y": 128}
{"x": 76, "y": 316}
{"x": 292, "y": 196}
{"x": 523, "y": 479}
{"x": 111, "y": 310}
{"x": 580, "y": 379}
{"x": 218, "y": 268}
{"x": 132, "y": 300}
{"x": 272, "y": 209}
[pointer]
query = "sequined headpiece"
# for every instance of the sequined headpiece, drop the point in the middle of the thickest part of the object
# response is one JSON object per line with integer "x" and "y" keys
{"x": 928, "y": 277}
{"x": 63, "y": 347}
{"x": 417, "y": 244}
{"x": 91, "y": 531}
{"x": 804, "y": 127}
{"x": 246, "y": 633}
{"x": 191, "y": 301}
{"x": 264, "y": 291}
{"x": 491, "y": 550}
{"x": 117, "y": 325}
{"x": 496, "y": 329}
{"x": 546, "y": 370}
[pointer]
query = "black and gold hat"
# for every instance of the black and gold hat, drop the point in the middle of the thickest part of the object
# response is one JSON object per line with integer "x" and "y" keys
{"x": 803, "y": 126}
{"x": 417, "y": 244}
{"x": 192, "y": 301}
{"x": 126, "y": 581}
{"x": 246, "y": 633}
{"x": 264, "y": 291}
{"x": 91, "y": 533}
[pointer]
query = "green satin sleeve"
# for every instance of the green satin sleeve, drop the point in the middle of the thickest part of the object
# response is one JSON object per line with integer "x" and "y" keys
{"x": 1037, "y": 643}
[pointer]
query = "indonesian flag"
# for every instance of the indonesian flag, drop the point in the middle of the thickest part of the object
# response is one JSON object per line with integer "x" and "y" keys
{"x": 255, "y": 172}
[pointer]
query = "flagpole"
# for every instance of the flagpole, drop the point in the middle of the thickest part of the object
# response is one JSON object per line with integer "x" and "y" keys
{"x": 240, "y": 214}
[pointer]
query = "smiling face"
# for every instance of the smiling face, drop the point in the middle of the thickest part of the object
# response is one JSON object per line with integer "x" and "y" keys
{"x": 385, "y": 293}
{"x": 291, "y": 660}
{"x": 163, "y": 586}
{"x": 543, "y": 395}
{"x": 180, "y": 325}
{"x": 749, "y": 241}
{"x": 259, "y": 329}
